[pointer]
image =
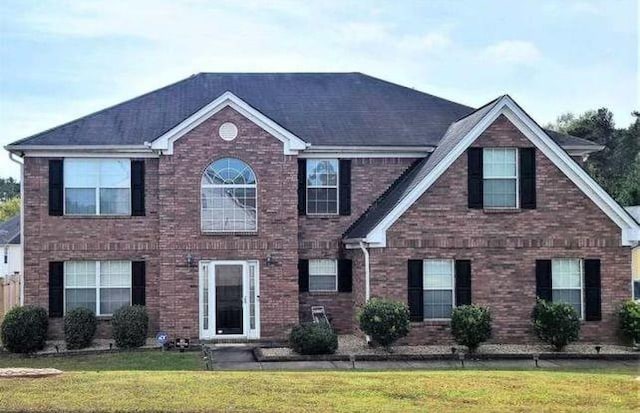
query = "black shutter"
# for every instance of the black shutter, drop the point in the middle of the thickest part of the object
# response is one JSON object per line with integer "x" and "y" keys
{"x": 527, "y": 178}
{"x": 463, "y": 282}
{"x": 474, "y": 178}
{"x": 137, "y": 188}
{"x": 56, "y": 288}
{"x": 543, "y": 280}
{"x": 138, "y": 283}
{"x": 302, "y": 186}
{"x": 592, "y": 290}
{"x": 414, "y": 287}
{"x": 56, "y": 186}
{"x": 345, "y": 186}
{"x": 303, "y": 276}
{"x": 345, "y": 275}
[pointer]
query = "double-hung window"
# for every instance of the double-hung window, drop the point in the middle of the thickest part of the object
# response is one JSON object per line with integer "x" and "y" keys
{"x": 97, "y": 186}
{"x": 100, "y": 286}
{"x": 322, "y": 186}
{"x": 500, "y": 177}
{"x": 323, "y": 275}
{"x": 567, "y": 282}
{"x": 438, "y": 284}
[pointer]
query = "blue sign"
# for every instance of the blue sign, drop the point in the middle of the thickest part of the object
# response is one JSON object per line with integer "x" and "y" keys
{"x": 162, "y": 338}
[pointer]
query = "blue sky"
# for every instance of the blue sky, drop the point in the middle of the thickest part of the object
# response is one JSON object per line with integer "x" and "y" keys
{"x": 64, "y": 59}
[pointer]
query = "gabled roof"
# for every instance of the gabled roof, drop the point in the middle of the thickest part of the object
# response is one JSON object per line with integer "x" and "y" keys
{"x": 324, "y": 109}
{"x": 372, "y": 226}
{"x": 10, "y": 231}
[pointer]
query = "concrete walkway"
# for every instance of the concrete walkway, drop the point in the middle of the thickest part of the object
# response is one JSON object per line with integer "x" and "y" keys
{"x": 241, "y": 358}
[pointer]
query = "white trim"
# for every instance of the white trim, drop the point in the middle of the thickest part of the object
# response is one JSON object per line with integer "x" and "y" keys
{"x": 506, "y": 106}
{"x": 351, "y": 152}
{"x": 292, "y": 143}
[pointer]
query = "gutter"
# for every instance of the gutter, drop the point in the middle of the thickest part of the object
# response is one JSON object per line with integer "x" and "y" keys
{"x": 22, "y": 237}
{"x": 367, "y": 273}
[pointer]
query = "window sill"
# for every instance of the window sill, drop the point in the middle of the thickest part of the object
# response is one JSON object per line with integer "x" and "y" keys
{"x": 99, "y": 216}
{"x": 230, "y": 233}
{"x": 323, "y": 216}
{"x": 433, "y": 322}
{"x": 502, "y": 210}
{"x": 323, "y": 293}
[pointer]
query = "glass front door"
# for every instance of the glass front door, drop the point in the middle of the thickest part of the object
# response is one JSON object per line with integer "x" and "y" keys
{"x": 229, "y": 298}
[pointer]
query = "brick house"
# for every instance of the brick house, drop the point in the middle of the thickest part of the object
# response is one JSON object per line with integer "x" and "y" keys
{"x": 229, "y": 204}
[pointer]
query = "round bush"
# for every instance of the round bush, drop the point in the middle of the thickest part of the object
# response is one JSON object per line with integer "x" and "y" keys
{"x": 130, "y": 324}
{"x": 24, "y": 329}
{"x": 385, "y": 321}
{"x": 556, "y": 323}
{"x": 630, "y": 320}
{"x": 313, "y": 338}
{"x": 471, "y": 325}
{"x": 79, "y": 328}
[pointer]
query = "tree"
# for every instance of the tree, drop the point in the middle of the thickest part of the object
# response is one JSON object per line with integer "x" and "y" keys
{"x": 9, "y": 188}
{"x": 9, "y": 208}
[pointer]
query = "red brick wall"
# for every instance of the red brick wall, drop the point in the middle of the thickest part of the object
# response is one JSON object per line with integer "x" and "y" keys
{"x": 503, "y": 246}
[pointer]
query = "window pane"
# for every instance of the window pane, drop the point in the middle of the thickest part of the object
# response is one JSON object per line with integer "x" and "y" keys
{"x": 229, "y": 209}
{"x": 76, "y": 297}
{"x": 113, "y": 298}
{"x": 80, "y": 200}
{"x": 115, "y": 173}
{"x": 499, "y": 162}
{"x": 438, "y": 274}
{"x": 566, "y": 273}
{"x": 115, "y": 274}
{"x": 114, "y": 201}
{"x": 323, "y": 267}
{"x": 322, "y": 172}
{"x": 81, "y": 173}
{"x": 572, "y": 297}
{"x": 438, "y": 303}
{"x": 80, "y": 274}
{"x": 322, "y": 201}
{"x": 499, "y": 193}
{"x": 322, "y": 282}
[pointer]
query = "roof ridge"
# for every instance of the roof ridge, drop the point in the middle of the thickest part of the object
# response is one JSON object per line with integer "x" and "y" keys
{"x": 21, "y": 141}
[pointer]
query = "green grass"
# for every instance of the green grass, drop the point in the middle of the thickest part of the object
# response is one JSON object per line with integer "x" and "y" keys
{"x": 152, "y": 381}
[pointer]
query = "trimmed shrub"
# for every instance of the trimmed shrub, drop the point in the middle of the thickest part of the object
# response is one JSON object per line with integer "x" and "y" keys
{"x": 24, "y": 329}
{"x": 79, "y": 328}
{"x": 130, "y": 324}
{"x": 385, "y": 321}
{"x": 471, "y": 325}
{"x": 630, "y": 320}
{"x": 556, "y": 323}
{"x": 313, "y": 338}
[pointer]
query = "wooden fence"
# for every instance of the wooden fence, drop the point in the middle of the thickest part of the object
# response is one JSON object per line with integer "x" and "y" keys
{"x": 9, "y": 293}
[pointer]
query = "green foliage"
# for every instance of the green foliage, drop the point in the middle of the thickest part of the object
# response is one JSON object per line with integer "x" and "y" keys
{"x": 629, "y": 316}
{"x": 9, "y": 188}
{"x": 617, "y": 167}
{"x": 24, "y": 329}
{"x": 130, "y": 325}
{"x": 556, "y": 323}
{"x": 471, "y": 325}
{"x": 79, "y": 328}
{"x": 9, "y": 208}
{"x": 313, "y": 338}
{"x": 385, "y": 321}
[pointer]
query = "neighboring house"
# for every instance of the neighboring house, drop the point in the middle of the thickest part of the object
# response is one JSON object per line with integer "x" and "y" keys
{"x": 10, "y": 247}
{"x": 230, "y": 204}
{"x": 635, "y": 256}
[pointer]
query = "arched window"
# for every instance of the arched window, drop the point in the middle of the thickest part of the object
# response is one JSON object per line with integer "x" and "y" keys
{"x": 228, "y": 191}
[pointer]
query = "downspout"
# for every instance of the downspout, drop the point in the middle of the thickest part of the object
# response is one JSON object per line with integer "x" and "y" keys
{"x": 21, "y": 226}
{"x": 367, "y": 274}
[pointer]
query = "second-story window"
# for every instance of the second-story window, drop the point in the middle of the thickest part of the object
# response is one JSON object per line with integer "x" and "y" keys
{"x": 97, "y": 186}
{"x": 500, "y": 177}
{"x": 322, "y": 186}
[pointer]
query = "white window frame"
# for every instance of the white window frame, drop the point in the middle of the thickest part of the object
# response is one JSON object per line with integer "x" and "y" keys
{"x": 228, "y": 186}
{"x": 336, "y": 186}
{"x": 335, "y": 274}
{"x": 516, "y": 177}
{"x": 96, "y": 189}
{"x": 97, "y": 286}
{"x": 453, "y": 285}
{"x": 581, "y": 267}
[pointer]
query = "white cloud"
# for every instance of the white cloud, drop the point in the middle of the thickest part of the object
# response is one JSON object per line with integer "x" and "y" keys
{"x": 513, "y": 52}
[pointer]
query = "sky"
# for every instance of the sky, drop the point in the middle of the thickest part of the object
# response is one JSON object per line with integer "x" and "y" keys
{"x": 60, "y": 60}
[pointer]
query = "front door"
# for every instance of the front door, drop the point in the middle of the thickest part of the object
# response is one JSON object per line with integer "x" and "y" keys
{"x": 229, "y": 294}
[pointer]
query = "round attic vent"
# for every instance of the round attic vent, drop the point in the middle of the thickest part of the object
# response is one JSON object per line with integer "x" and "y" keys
{"x": 228, "y": 131}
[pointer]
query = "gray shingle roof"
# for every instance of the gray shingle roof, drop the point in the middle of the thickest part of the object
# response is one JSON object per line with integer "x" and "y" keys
{"x": 10, "y": 231}
{"x": 350, "y": 109}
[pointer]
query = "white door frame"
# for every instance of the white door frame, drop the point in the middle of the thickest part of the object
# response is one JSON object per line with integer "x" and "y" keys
{"x": 208, "y": 266}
